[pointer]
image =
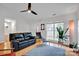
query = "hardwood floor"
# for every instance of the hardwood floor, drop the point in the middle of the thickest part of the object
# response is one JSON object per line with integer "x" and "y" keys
{"x": 6, "y": 45}
{"x": 1, "y": 46}
{"x": 27, "y": 49}
{"x": 68, "y": 51}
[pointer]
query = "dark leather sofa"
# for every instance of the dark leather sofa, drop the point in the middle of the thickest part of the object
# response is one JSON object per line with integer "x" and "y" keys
{"x": 21, "y": 40}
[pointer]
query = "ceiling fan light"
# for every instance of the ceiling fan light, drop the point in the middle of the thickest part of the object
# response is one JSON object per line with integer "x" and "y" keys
{"x": 29, "y": 11}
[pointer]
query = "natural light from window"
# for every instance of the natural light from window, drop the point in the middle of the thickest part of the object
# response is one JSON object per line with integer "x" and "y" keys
{"x": 52, "y": 34}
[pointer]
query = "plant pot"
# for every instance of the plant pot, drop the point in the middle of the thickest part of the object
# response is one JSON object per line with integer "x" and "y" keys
{"x": 71, "y": 45}
{"x": 59, "y": 42}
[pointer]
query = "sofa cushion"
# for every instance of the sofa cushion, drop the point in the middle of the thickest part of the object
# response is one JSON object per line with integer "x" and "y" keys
{"x": 17, "y": 36}
{"x": 23, "y": 42}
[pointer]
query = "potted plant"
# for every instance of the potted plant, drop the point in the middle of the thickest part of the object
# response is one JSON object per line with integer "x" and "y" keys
{"x": 75, "y": 47}
{"x": 61, "y": 34}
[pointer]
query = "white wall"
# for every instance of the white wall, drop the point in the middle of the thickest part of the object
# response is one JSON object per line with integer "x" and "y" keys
{"x": 1, "y": 29}
{"x": 62, "y": 18}
{"x": 78, "y": 31}
{"x": 22, "y": 26}
{"x": 2, "y": 16}
{"x": 27, "y": 25}
{"x": 5, "y": 14}
{"x": 78, "y": 23}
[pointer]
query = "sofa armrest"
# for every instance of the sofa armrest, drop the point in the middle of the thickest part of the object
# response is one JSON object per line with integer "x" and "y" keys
{"x": 32, "y": 37}
{"x": 15, "y": 45}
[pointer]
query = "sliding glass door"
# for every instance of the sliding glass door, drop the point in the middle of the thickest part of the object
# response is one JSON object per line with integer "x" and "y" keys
{"x": 52, "y": 34}
{"x": 49, "y": 30}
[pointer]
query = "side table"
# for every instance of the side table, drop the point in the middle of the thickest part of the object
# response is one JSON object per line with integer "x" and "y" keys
{"x": 7, "y": 54}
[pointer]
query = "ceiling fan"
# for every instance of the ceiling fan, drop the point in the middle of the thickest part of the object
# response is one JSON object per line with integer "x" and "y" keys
{"x": 29, "y": 10}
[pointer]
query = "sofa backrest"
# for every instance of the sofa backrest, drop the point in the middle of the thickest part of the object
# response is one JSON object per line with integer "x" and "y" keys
{"x": 15, "y": 36}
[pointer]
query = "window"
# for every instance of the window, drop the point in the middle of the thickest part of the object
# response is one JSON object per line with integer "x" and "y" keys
{"x": 52, "y": 31}
{"x": 57, "y": 25}
{"x": 49, "y": 29}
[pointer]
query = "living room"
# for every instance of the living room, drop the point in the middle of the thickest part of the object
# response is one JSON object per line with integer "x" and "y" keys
{"x": 49, "y": 17}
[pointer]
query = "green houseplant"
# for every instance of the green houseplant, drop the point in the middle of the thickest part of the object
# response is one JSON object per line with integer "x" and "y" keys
{"x": 62, "y": 34}
{"x": 75, "y": 46}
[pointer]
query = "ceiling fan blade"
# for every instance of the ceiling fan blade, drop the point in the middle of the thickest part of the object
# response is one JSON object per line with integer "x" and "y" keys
{"x": 29, "y": 9}
{"x": 29, "y": 6}
{"x": 34, "y": 12}
{"x": 24, "y": 11}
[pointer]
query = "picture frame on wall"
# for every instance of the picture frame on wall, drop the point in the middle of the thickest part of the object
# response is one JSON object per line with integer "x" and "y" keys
{"x": 42, "y": 26}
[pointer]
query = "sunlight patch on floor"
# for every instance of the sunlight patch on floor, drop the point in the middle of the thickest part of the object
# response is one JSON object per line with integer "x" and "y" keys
{"x": 55, "y": 45}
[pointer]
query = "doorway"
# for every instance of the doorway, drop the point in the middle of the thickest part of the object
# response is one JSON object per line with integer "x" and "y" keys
{"x": 9, "y": 27}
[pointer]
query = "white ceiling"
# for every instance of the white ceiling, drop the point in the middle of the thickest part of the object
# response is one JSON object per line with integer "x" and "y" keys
{"x": 44, "y": 10}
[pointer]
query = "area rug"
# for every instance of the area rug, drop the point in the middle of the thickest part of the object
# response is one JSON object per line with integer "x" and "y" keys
{"x": 46, "y": 50}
